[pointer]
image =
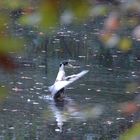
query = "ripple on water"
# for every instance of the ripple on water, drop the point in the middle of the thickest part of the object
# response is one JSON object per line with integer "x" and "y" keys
{"x": 46, "y": 97}
{"x": 26, "y": 77}
{"x": 35, "y": 103}
{"x": 39, "y": 83}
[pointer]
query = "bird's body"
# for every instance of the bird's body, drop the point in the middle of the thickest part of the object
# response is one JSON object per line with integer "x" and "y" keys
{"x": 57, "y": 89}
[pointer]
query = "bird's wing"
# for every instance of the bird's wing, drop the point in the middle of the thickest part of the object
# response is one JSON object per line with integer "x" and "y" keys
{"x": 70, "y": 79}
{"x": 75, "y": 77}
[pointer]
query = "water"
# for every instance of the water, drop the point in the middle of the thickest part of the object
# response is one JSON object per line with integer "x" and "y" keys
{"x": 91, "y": 110}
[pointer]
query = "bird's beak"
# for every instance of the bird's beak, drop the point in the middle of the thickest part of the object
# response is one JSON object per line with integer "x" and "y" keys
{"x": 69, "y": 65}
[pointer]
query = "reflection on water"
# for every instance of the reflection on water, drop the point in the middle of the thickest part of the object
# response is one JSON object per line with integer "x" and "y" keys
{"x": 91, "y": 110}
{"x": 68, "y": 109}
{"x": 62, "y": 111}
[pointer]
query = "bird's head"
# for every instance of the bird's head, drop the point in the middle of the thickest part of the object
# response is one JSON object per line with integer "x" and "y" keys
{"x": 65, "y": 63}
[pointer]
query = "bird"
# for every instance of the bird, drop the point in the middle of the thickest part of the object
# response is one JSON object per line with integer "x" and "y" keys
{"x": 62, "y": 81}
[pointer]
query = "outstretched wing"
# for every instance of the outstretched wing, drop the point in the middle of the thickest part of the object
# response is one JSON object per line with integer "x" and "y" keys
{"x": 68, "y": 80}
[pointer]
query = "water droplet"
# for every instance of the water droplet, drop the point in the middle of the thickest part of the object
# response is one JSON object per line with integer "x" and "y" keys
{"x": 14, "y": 110}
{"x": 11, "y": 128}
{"x": 120, "y": 118}
{"x": 109, "y": 122}
{"x": 57, "y": 130}
{"x": 35, "y": 103}
{"x": 98, "y": 90}
{"x": 87, "y": 98}
{"x": 28, "y": 100}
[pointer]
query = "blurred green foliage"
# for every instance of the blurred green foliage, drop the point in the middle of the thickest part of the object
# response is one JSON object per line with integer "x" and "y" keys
{"x": 12, "y": 44}
{"x": 13, "y": 4}
{"x": 132, "y": 134}
{"x": 48, "y": 14}
{"x": 3, "y": 93}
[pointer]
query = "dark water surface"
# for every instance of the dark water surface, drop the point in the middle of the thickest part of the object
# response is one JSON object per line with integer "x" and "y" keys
{"x": 91, "y": 110}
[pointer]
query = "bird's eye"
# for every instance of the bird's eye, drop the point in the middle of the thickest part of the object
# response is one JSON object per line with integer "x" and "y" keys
{"x": 60, "y": 65}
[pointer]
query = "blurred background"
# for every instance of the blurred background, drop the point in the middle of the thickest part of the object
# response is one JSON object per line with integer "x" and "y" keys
{"x": 102, "y": 36}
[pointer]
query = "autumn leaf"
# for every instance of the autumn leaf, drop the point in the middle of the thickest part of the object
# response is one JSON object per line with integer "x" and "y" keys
{"x": 7, "y": 62}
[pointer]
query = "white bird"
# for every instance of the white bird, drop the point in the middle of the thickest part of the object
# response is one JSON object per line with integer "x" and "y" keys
{"x": 57, "y": 89}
